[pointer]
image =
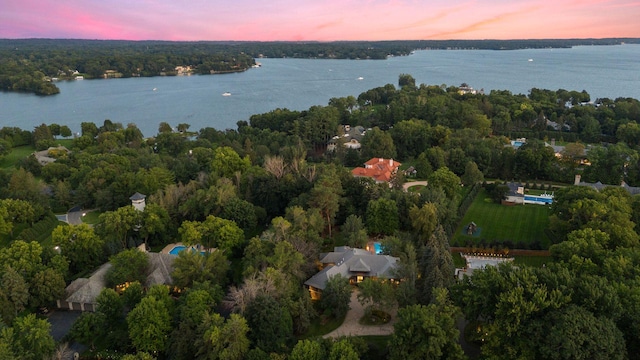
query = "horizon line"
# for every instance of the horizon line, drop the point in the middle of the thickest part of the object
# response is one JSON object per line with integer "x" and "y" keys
{"x": 330, "y": 41}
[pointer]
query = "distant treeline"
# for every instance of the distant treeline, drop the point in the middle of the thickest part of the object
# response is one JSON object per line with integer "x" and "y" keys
{"x": 29, "y": 64}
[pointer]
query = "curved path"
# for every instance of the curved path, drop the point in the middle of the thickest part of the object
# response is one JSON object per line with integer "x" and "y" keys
{"x": 351, "y": 326}
{"x": 409, "y": 184}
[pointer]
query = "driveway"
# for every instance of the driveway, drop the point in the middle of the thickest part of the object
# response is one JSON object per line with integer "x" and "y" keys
{"x": 352, "y": 327}
{"x": 61, "y": 322}
{"x": 409, "y": 184}
{"x": 74, "y": 217}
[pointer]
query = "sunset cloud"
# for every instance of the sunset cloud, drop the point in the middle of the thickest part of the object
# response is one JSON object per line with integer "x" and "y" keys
{"x": 322, "y": 20}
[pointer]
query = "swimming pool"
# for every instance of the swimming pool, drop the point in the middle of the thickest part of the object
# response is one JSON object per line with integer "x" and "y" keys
{"x": 176, "y": 249}
{"x": 378, "y": 247}
{"x": 541, "y": 200}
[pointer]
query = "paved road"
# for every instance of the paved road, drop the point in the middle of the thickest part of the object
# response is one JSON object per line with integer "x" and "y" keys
{"x": 351, "y": 326}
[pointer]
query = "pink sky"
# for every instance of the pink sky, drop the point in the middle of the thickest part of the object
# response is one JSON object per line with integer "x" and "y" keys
{"x": 322, "y": 20}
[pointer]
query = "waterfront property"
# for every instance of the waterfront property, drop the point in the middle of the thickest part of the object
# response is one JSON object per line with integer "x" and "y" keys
{"x": 353, "y": 264}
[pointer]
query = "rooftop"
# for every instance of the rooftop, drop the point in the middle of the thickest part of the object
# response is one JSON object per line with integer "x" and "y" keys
{"x": 350, "y": 262}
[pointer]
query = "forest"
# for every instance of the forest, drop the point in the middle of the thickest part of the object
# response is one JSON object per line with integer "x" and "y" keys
{"x": 271, "y": 197}
{"x": 29, "y": 65}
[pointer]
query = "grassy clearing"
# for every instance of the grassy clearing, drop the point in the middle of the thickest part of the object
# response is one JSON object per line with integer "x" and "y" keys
{"x": 321, "y": 325}
{"x": 458, "y": 261}
{"x": 519, "y": 225}
{"x": 91, "y": 217}
{"x": 64, "y": 142}
{"x": 16, "y": 154}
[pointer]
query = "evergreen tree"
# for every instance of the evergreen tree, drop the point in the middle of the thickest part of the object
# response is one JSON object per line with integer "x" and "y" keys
{"x": 436, "y": 265}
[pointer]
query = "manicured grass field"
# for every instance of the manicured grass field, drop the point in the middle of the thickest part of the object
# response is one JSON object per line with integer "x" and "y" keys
{"x": 519, "y": 224}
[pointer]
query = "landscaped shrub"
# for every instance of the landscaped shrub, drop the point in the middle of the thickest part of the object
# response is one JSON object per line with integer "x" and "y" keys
{"x": 40, "y": 230}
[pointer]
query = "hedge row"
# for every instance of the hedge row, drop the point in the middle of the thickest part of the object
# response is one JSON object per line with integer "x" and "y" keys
{"x": 40, "y": 230}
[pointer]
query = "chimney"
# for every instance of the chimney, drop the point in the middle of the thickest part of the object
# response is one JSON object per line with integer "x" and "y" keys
{"x": 577, "y": 180}
{"x": 391, "y": 162}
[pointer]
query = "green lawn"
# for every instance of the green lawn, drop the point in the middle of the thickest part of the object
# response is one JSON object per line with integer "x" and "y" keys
{"x": 20, "y": 152}
{"x": 416, "y": 188}
{"x": 458, "y": 261}
{"x": 16, "y": 154}
{"x": 519, "y": 224}
{"x": 91, "y": 217}
{"x": 321, "y": 325}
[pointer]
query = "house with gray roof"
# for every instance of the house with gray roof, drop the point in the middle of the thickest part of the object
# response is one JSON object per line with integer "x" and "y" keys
{"x": 81, "y": 294}
{"x": 632, "y": 190}
{"x": 353, "y": 264}
{"x": 350, "y": 138}
{"x": 516, "y": 193}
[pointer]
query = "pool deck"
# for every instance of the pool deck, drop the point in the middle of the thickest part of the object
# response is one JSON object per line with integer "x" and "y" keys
{"x": 371, "y": 247}
{"x": 167, "y": 249}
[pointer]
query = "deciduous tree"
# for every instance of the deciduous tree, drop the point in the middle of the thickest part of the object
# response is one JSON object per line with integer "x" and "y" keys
{"x": 307, "y": 350}
{"x": 80, "y": 245}
{"x": 127, "y": 266}
{"x": 271, "y": 324}
{"x": 192, "y": 266}
{"x": 46, "y": 287}
{"x": 336, "y": 296}
{"x": 149, "y": 325}
{"x": 446, "y": 180}
{"x": 376, "y": 295}
{"x": 426, "y": 332}
{"x": 31, "y": 338}
{"x": 382, "y": 217}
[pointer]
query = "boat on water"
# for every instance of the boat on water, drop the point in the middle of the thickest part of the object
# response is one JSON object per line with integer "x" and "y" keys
{"x": 530, "y": 60}
{"x": 226, "y": 94}
{"x": 155, "y": 89}
{"x": 360, "y": 78}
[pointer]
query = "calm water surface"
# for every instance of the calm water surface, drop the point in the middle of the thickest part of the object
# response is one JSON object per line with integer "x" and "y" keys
{"x": 297, "y": 84}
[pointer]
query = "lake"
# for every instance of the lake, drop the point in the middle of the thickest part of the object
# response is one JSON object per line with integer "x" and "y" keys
{"x": 297, "y": 84}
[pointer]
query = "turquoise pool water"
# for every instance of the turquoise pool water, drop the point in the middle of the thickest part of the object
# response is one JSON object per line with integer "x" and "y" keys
{"x": 540, "y": 199}
{"x": 378, "y": 247}
{"x": 176, "y": 249}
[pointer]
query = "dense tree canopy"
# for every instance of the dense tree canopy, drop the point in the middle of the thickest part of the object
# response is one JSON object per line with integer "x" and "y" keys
{"x": 269, "y": 197}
